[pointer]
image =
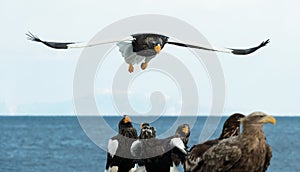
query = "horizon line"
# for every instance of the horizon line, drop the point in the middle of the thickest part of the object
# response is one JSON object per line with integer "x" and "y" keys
{"x": 110, "y": 115}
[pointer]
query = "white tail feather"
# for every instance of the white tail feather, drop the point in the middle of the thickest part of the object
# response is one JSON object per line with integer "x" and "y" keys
{"x": 130, "y": 57}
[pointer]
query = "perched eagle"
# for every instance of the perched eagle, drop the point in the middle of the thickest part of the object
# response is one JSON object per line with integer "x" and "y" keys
{"x": 147, "y": 131}
{"x": 142, "y": 47}
{"x": 161, "y": 154}
{"x": 231, "y": 128}
{"x": 118, "y": 156}
{"x": 248, "y": 151}
{"x": 183, "y": 132}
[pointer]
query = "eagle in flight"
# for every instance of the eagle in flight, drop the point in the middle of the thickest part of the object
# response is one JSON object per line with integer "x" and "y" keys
{"x": 142, "y": 47}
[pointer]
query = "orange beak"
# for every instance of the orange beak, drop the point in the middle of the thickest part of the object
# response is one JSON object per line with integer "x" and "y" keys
{"x": 157, "y": 48}
{"x": 141, "y": 125}
{"x": 126, "y": 119}
{"x": 185, "y": 130}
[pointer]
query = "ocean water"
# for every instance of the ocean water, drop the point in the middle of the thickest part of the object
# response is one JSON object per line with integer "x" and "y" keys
{"x": 59, "y": 144}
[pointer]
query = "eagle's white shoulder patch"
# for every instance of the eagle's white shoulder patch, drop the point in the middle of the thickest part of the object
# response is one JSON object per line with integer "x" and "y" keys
{"x": 177, "y": 142}
{"x": 112, "y": 147}
{"x": 135, "y": 148}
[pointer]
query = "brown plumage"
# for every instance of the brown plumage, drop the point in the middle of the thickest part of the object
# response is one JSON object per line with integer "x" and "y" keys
{"x": 231, "y": 128}
{"x": 246, "y": 152}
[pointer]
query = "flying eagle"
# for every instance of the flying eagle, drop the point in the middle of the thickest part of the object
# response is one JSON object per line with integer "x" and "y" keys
{"x": 231, "y": 128}
{"x": 248, "y": 151}
{"x": 120, "y": 145}
{"x": 156, "y": 153}
{"x": 142, "y": 47}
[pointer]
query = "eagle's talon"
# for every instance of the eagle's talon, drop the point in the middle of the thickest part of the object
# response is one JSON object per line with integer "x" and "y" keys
{"x": 144, "y": 66}
{"x": 131, "y": 68}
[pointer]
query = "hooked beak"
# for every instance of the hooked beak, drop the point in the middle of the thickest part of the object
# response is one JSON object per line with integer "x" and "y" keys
{"x": 126, "y": 119}
{"x": 185, "y": 130}
{"x": 269, "y": 119}
{"x": 141, "y": 125}
{"x": 157, "y": 48}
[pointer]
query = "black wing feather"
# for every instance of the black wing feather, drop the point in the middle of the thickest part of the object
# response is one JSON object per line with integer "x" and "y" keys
{"x": 56, "y": 45}
{"x": 232, "y": 50}
{"x": 249, "y": 50}
{"x": 190, "y": 46}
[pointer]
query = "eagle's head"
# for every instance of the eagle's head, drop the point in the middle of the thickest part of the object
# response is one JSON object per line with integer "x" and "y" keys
{"x": 231, "y": 126}
{"x": 125, "y": 122}
{"x": 259, "y": 118}
{"x": 147, "y": 131}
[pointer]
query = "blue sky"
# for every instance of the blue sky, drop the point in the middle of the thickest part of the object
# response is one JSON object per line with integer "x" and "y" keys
{"x": 37, "y": 80}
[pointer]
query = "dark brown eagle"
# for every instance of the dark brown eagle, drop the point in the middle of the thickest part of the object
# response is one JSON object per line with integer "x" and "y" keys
{"x": 142, "y": 47}
{"x": 118, "y": 156}
{"x": 248, "y": 151}
{"x": 231, "y": 127}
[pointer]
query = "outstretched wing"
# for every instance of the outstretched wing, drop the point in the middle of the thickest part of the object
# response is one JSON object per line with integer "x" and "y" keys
{"x": 225, "y": 50}
{"x": 68, "y": 45}
{"x": 56, "y": 45}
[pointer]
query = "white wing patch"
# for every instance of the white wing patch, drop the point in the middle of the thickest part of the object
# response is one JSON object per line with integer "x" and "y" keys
{"x": 130, "y": 57}
{"x": 135, "y": 148}
{"x": 177, "y": 142}
{"x": 174, "y": 168}
{"x": 112, "y": 147}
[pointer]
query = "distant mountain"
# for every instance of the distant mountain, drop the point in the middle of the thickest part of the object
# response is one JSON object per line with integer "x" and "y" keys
{"x": 59, "y": 108}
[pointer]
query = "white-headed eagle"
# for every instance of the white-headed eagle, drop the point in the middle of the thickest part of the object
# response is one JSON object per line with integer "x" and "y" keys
{"x": 231, "y": 127}
{"x": 248, "y": 151}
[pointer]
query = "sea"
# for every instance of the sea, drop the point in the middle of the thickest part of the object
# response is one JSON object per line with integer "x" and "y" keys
{"x": 59, "y": 144}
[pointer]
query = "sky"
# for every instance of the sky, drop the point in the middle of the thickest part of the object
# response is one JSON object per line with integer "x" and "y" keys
{"x": 37, "y": 80}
